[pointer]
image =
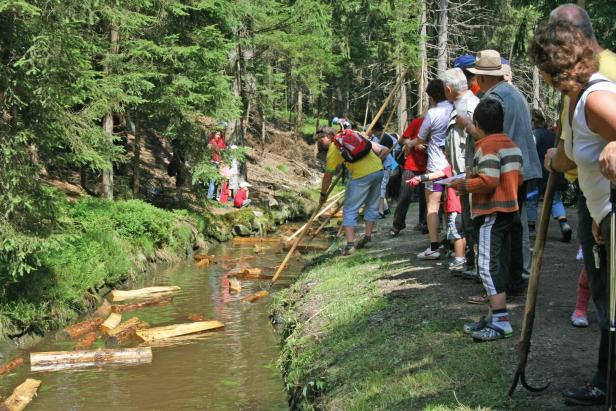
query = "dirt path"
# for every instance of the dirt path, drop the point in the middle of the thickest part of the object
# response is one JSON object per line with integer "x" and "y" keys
{"x": 561, "y": 354}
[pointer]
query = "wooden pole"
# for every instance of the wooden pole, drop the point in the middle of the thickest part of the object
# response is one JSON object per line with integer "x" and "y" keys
{"x": 322, "y": 226}
{"x": 385, "y": 104}
{"x": 319, "y": 214}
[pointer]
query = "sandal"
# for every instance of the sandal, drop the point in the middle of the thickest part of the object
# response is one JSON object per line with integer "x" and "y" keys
{"x": 478, "y": 299}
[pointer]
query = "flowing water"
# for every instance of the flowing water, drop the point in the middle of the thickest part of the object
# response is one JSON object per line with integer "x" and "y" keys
{"x": 232, "y": 369}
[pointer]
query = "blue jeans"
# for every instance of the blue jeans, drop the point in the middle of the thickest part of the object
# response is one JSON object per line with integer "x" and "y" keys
{"x": 366, "y": 191}
{"x": 532, "y": 204}
{"x": 211, "y": 189}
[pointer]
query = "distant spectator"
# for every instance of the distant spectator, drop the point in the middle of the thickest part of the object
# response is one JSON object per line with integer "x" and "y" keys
{"x": 216, "y": 145}
{"x": 241, "y": 197}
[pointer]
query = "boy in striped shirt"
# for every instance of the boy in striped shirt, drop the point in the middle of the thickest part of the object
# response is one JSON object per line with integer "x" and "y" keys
{"x": 496, "y": 176}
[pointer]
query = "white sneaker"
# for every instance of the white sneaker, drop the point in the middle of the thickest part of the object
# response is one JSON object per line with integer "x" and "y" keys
{"x": 429, "y": 255}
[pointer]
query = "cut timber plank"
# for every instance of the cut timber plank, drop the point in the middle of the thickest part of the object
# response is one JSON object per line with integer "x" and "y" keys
{"x": 251, "y": 298}
{"x": 82, "y": 328}
{"x": 103, "y": 311}
{"x": 148, "y": 292}
{"x": 11, "y": 365}
{"x": 161, "y": 333}
{"x": 255, "y": 240}
{"x": 86, "y": 342}
{"x": 127, "y": 330}
{"x": 111, "y": 322}
{"x": 122, "y": 308}
{"x": 235, "y": 285}
{"x": 21, "y": 396}
{"x": 90, "y": 357}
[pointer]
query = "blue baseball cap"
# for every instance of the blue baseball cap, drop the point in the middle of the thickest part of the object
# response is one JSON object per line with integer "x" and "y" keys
{"x": 465, "y": 61}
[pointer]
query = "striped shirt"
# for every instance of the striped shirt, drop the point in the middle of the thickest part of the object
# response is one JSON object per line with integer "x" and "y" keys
{"x": 497, "y": 175}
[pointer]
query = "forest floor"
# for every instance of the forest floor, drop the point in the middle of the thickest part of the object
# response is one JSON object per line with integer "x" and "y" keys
{"x": 383, "y": 330}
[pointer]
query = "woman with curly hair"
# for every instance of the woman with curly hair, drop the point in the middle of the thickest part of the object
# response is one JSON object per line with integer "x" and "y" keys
{"x": 567, "y": 61}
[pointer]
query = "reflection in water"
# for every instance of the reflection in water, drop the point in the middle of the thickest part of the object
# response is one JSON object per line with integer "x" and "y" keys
{"x": 225, "y": 370}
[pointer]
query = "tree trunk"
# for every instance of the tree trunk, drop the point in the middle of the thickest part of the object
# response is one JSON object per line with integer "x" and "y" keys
{"x": 422, "y": 75}
{"x": 402, "y": 114}
{"x": 132, "y": 128}
{"x": 107, "y": 178}
{"x": 299, "y": 111}
{"x": 442, "y": 36}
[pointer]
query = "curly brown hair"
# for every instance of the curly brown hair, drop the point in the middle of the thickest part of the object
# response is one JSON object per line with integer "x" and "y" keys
{"x": 562, "y": 51}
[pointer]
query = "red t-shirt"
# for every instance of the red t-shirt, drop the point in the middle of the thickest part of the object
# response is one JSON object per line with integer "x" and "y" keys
{"x": 416, "y": 160}
{"x": 452, "y": 200}
{"x": 240, "y": 197}
{"x": 217, "y": 144}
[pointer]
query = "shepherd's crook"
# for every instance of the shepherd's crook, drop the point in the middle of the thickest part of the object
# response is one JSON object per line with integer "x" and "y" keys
{"x": 531, "y": 295}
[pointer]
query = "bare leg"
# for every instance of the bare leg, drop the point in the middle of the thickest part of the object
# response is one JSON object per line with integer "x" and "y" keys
{"x": 349, "y": 233}
{"x": 433, "y": 202}
{"x": 369, "y": 226}
{"x": 459, "y": 247}
{"x": 498, "y": 301}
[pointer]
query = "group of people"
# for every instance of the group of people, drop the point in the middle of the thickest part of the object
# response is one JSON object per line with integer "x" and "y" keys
{"x": 228, "y": 186}
{"x": 480, "y": 159}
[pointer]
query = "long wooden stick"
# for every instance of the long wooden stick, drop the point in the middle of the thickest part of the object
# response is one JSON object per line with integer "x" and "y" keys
{"x": 523, "y": 345}
{"x": 322, "y": 226}
{"x": 392, "y": 93}
{"x": 319, "y": 214}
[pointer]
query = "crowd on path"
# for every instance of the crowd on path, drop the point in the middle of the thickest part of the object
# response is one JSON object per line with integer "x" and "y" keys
{"x": 478, "y": 161}
{"x": 227, "y": 187}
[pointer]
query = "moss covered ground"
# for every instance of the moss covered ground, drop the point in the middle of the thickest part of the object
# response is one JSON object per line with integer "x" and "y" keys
{"x": 382, "y": 331}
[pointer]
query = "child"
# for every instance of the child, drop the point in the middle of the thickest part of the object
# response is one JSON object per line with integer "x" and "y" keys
{"x": 496, "y": 176}
{"x": 241, "y": 197}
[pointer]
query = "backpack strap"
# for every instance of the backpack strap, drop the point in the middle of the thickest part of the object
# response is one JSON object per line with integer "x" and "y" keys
{"x": 579, "y": 96}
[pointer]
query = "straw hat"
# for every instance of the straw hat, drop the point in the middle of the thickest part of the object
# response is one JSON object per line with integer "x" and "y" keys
{"x": 489, "y": 63}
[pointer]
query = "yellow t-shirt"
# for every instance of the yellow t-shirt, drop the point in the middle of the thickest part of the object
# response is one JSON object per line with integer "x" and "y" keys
{"x": 607, "y": 67}
{"x": 361, "y": 168}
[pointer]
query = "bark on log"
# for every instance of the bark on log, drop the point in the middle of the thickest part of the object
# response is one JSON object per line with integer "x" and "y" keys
{"x": 126, "y": 330}
{"x": 148, "y": 292}
{"x": 22, "y": 396}
{"x": 161, "y": 333}
{"x": 86, "y": 342}
{"x": 82, "y": 328}
{"x": 122, "y": 308}
{"x": 251, "y": 298}
{"x": 106, "y": 356}
{"x": 111, "y": 322}
{"x": 103, "y": 311}
{"x": 11, "y": 365}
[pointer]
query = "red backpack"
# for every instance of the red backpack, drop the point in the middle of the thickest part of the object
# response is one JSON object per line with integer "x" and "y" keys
{"x": 352, "y": 145}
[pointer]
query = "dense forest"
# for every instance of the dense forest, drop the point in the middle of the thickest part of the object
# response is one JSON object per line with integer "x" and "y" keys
{"x": 78, "y": 79}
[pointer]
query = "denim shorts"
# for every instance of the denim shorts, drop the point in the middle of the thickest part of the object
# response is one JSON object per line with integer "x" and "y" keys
{"x": 362, "y": 191}
{"x": 386, "y": 174}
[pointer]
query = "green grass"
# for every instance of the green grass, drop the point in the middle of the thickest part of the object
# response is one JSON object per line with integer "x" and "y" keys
{"x": 356, "y": 348}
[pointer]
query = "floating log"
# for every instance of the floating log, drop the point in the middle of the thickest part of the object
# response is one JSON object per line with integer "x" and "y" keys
{"x": 200, "y": 257}
{"x": 253, "y": 240}
{"x": 259, "y": 249}
{"x": 127, "y": 330}
{"x": 161, "y": 333}
{"x": 148, "y": 292}
{"x": 195, "y": 317}
{"x": 11, "y": 365}
{"x": 203, "y": 264}
{"x": 122, "y": 308}
{"x": 111, "y": 322}
{"x": 22, "y": 396}
{"x": 87, "y": 341}
{"x": 41, "y": 360}
{"x": 235, "y": 285}
{"x": 82, "y": 328}
{"x": 251, "y": 298}
{"x": 103, "y": 311}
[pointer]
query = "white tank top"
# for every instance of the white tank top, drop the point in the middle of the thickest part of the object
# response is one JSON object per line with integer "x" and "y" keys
{"x": 584, "y": 146}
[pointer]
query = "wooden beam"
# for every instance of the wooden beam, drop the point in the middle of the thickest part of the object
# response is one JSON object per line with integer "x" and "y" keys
{"x": 22, "y": 396}
{"x": 161, "y": 333}
{"x": 111, "y": 322}
{"x": 90, "y": 357}
{"x": 127, "y": 330}
{"x": 148, "y": 292}
{"x": 251, "y": 298}
{"x": 122, "y": 308}
{"x": 82, "y": 328}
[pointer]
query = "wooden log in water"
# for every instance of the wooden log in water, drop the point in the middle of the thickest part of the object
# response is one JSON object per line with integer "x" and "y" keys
{"x": 11, "y": 365}
{"x": 203, "y": 264}
{"x": 103, "y": 311}
{"x": 82, "y": 328}
{"x": 87, "y": 341}
{"x": 122, "y": 308}
{"x": 176, "y": 330}
{"x": 196, "y": 317}
{"x": 249, "y": 274}
{"x": 98, "y": 357}
{"x": 200, "y": 257}
{"x": 22, "y": 396}
{"x": 127, "y": 330}
{"x": 148, "y": 292}
{"x": 255, "y": 240}
{"x": 111, "y": 322}
{"x": 235, "y": 285}
{"x": 251, "y": 298}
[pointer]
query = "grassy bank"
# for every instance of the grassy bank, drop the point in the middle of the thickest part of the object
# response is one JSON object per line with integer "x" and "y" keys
{"x": 377, "y": 331}
{"x": 97, "y": 244}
